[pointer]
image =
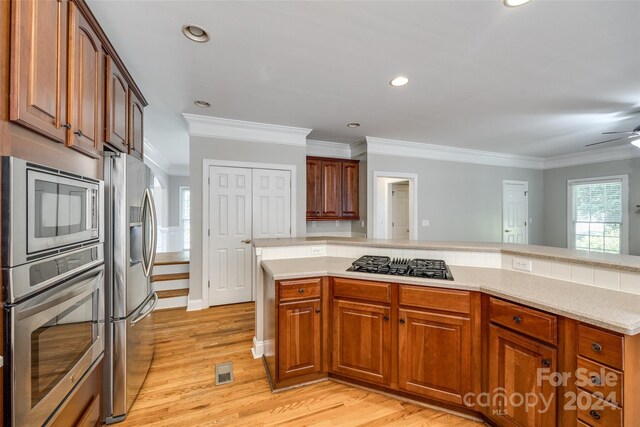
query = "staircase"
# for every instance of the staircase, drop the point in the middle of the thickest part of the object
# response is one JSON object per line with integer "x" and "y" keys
{"x": 171, "y": 279}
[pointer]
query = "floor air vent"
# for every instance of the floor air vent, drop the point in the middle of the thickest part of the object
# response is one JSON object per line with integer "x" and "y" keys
{"x": 224, "y": 373}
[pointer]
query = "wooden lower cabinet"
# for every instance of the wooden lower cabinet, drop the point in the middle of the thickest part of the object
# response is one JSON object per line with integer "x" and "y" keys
{"x": 299, "y": 340}
{"x": 435, "y": 355}
{"x": 515, "y": 364}
{"x": 362, "y": 341}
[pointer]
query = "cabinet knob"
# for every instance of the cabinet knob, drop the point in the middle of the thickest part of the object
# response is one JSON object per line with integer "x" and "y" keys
{"x": 596, "y": 347}
{"x": 595, "y": 414}
{"x": 301, "y": 290}
{"x": 385, "y": 318}
{"x": 78, "y": 132}
{"x": 595, "y": 380}
{"x": 402, "y": 321}
{"x": 517, "y": 320}
{"x": 317, "y": 310}
{"x": 546, "y": 363}
{"x": 68, "y": 126}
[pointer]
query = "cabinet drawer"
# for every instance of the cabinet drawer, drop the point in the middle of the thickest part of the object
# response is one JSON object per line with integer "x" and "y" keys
{"x": 596, "y": 412}
{"x": 528, "y": 321}
{"x": 436, "y": 299}
{"x": 601, "y": 346}
{"x": 357, "y": 289}
{"x": 299, "y": 289}
{"x": 597, "y": 378}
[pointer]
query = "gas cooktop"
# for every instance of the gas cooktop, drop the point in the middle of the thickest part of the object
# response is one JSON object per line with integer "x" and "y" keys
{"x": 427, "y": 268}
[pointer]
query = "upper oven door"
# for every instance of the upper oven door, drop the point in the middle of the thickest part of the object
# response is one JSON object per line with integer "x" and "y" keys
{"x": 61, "y": 211}
{"x": 56, "y": 336}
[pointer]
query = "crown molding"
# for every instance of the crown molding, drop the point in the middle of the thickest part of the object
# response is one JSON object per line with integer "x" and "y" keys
{"x": 597, "y": 155}
{"x": 390, "y": 147}
{"x": 153, "y": 155}
{"x": 216, "y": 127}
{"x": 358, "y": 148}
{"x": 328, "y": 149}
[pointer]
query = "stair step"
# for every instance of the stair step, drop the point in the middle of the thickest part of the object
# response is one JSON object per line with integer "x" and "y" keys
{"x": 172, "y": 276}
{"x": 173, "y": 293}
{"x": 172, "y": 258}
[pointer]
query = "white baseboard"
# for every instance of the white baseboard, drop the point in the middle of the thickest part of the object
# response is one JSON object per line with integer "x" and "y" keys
{"x": 194, "y": 305}
{"x": 173, "y": 302}
{"x": 258, "y": 348}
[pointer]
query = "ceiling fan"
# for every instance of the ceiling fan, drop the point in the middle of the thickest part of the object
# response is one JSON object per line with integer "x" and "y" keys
{"x": 633, "y": 135}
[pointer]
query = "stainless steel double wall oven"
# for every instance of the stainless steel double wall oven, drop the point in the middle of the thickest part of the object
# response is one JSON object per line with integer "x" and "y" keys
{"x": 53, "y": 278}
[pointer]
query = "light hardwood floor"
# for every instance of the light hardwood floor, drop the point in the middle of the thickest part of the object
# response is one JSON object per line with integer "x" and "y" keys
{"x": 180, "y": 389}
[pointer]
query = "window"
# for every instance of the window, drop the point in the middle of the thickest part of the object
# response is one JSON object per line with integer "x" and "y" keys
{"x": 598, "y": 214}
{"x": 185, "y": 215}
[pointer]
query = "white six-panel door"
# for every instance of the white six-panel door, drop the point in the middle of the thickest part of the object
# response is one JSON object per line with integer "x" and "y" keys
{"x": 244, "y": 203}
{"x": 400, "y": 211}
{"x": 514, "y": 212}
{"x": 230, "y": 235}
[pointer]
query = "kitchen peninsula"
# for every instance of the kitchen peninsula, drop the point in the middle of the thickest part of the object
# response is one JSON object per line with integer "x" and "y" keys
{"x": 509, "y": 310}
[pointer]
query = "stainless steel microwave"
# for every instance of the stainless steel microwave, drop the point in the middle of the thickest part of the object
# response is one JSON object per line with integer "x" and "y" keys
{"x": 46, "y": 211}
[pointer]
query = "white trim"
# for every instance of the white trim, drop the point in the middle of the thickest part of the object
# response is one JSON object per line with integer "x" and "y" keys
{"x": 173, "y": 302}
{"x": 218, "y": 127}
{"x": 331, "y": 234}
{"x": 258, "y": 348}
{"x": 181, "y": 218}
{"x": 526, "y": 207}
{"x": 598, "y": 155}
{"x": 153, "y": 155}
{"x": 194, "y": 304}
{"x": 328, "y": 149}
{"x": 358, "y": 148}
{"x": 206, "y": 165}
{"x": 624, "y": 239}
{"x": 390, "y": 147}
{"x": 413, "y": 201}
{"x": 179, "y": 170}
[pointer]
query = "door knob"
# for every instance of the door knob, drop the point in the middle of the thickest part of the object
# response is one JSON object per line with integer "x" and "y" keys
{"x": 247, "y": 241}
{"x": 506, "y": 231}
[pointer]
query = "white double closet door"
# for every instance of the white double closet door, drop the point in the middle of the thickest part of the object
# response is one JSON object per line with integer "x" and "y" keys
{"x": 244, "y": 204}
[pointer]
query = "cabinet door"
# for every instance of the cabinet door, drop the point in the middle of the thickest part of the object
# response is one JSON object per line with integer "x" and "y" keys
{"x": 39, "y": 66}
{"x": 361, "y": 341}
{"x": 136, "y": 115}
{"x": 435, "y": 355}
{"x": 350, "y": 175}
{"x": 117, "y": 108}
{"x": 298, "y": 339}
{"x": 331, "y": 188}
{"x": 86, "y": 86}
{"x": 515, "y": 365}
{"x": 314, "y": 188}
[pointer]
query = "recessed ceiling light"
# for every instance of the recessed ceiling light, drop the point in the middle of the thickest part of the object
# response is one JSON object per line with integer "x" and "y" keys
{"x": 515, "y": 3}
{"x": 195, "y": 33}
{"x": 202, "y": 104}
{"x": 353, "y": 125}
{"x": 399, "y": 81}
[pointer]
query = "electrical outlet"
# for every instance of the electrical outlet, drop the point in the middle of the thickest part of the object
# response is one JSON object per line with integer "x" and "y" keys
{"x": 426, "y": 222}
{"x": 313, "y": 224}
{"x": 316, "y": 250}
{"x": 521, "y": 264}
{"x": 337, "y": 223}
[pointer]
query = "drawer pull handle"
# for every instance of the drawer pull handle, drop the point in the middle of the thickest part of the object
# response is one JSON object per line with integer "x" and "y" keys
{"x": 596, "y": 347}
{"x": 595, "y": 414}
{"x": 517, "y": 320}
{"x": 546, "y": 363}
{"x": 301, "y": 291}
{"x": 402, "y": 321}
{"x": 79, "y": 133}
{"x": 595, "y": 380}
{"x": 317, "y": 310}
{"x": 68, "y": 126}
{"x": 385, "y": 318}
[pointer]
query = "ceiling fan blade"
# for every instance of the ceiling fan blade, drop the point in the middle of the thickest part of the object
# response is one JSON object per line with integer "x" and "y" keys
{"x": 602, "y": 142}
{"x": 613, "y": 133}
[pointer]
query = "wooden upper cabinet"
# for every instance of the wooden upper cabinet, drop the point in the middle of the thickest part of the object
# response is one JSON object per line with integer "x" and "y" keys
{"x": 39, "y": 66}
{"x": 86, "y": 85}
{"x": 362, "y": 341}
{"x": 514, "y": 363}
{"x": 435, "y": 355}
{"x": 116, "y": 108}
{"x": 332, "y": 189}
{"x": 314, "y": 187}
{"x": 298, "y": 339}
{"x": 136, "y": 116}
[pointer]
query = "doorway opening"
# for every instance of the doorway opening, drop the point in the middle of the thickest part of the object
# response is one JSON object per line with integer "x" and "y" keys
{"x": 395, "y": 206}
{"x": 515, "y": 212}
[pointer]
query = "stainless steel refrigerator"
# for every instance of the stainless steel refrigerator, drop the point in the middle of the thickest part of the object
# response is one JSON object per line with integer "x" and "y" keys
{"x": 130, "y": 248}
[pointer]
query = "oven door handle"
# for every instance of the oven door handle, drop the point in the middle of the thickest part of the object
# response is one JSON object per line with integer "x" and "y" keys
{"x": 76, "y": 287}
{"x": 146, "y": 313}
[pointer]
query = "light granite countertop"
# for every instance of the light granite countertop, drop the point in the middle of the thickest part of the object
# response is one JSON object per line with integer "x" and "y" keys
{"x": 628, "y": 263}
{"x": 613, "y": 310}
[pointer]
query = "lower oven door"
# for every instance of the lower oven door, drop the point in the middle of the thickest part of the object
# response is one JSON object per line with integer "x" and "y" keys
{"x": 55, "y": 338}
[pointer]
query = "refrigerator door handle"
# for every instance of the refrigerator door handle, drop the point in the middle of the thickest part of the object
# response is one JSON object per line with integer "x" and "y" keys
{"x": 146, "y": 267}
{"x": 154, "y": 226}
{"x": 141, "y": 316}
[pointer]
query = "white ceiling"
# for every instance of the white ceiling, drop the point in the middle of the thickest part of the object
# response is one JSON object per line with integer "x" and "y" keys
{"x": 541, "y": 80}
